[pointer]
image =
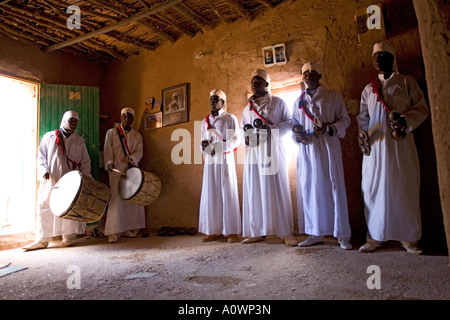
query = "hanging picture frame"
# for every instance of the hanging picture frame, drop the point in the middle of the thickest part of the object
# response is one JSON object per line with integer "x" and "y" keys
{"x": 175, "y": 104}
{"x": 274, "y": 55}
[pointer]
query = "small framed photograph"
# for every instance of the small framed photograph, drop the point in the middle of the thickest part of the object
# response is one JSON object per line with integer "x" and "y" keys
{"x": 280, "y": 53}
{"x": 175, "y": 104}
{"x": 153, "y": 121}
{"x": 268, "y": 56}
{"x": 274, "y": 55}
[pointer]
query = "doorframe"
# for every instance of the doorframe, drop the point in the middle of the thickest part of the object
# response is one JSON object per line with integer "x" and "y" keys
{"x": 8, "y": 241}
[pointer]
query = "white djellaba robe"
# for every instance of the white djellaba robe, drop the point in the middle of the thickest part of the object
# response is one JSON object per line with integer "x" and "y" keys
{"x": 219, "y": 203}
{"x": 267, "y": 203}
{"x": 122, "y": 215}
{"x": 52, "y": 160}
{"x": 390, "y": 174}
{"x": 320, "y": 172}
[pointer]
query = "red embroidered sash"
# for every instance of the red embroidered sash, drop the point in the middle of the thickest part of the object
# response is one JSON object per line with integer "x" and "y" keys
{"x": 256, "y": 112}
{"x": 210, "y": 127}
{"x": 376, "y": 88}
{"x": 301, "y": 106}
{"x": 60, "y": 144}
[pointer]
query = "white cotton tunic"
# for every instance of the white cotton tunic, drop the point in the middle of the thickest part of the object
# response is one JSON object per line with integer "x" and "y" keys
{"x": 390, "y": 174}
{"x": 122, "y": 215}
{"x": 266, "y": 194}
{"x": 322, "y": 197}
{"x": 52, "y": 160}
{"x": 219, "y": 203}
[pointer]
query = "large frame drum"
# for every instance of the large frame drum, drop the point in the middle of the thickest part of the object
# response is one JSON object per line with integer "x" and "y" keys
{"x": 139, "y": 186}
{"x": 78, "y": 197}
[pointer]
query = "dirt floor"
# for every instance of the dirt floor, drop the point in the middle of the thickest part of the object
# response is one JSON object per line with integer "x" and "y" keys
{"x": 183, "y": 267}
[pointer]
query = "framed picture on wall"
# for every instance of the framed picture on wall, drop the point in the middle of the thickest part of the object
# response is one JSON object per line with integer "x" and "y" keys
{"x": 274, "y": 55}
{"x": 153, "y": 121}
{"x": 175, "y": 104}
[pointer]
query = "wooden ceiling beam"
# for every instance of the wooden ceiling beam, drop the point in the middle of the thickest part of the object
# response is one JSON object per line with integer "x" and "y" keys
{"x": 216, "y": 10}
{"x": 266, "y": 3}
{"x": 106, "y": 5}
{"x": 27, "y": 27}
{"x": 131, "y": 40}
{"x": 144, "y": 13}
{"x": 174, "y": 25}
{"x": 41, "y": 21}
{"x": 99, "y": 46}
{"x": 204, "y": 24}
{"x": 160, "y": 33}
{"x": 61, "y": 29}
{"x": 145, "y": 4}
{"x": 239, "y": 8}
{"x": 14, "y": 33}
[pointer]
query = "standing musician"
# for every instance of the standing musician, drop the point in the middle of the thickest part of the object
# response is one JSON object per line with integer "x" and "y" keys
{"x": 320, "y": 173}
{"x": 220, "y": 213}
{"x": 123, "y": 149}
{"x": 392, "y": 106}
{"x": 267, "y": 203}
{"x": 60, "y": 151}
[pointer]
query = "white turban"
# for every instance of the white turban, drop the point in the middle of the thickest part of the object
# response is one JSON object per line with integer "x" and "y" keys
{"x": 261, "y": 73}
{"x": 127, "y": 110}
{"x": 310, "y": 66}
{"x": 383, "y": 46}
{"x": 220, "y": 94}
{"x": 68, "y": 115}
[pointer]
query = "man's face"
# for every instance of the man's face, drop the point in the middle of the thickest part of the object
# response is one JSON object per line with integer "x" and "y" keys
{"x": 259, "y": 86}
{"x": 127, "y": 120}
{"x": 311, "y": 79}
{"x": 382, "y": 61}
{"x": 215, "y": 102}
{"x": 70, "y": 124}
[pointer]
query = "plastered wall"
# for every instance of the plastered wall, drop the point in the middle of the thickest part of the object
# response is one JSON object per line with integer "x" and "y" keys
{"x": 29, "y": 63}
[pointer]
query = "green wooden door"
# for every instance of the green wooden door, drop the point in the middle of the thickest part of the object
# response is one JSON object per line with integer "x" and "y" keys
{"x": 56, "y": 99}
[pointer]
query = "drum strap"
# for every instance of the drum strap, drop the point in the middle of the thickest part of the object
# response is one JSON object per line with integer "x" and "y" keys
{"x": 252, "y": 108}
{"x": 376, "y": 88}
{"x": 210, "y": 127}
{"x": 123, "y": 142}
{"x": 60, "y": 144}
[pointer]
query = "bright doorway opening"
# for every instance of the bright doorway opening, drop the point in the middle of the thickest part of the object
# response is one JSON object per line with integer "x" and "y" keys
{"x": 289, "y": 94}
{"x": 18, "y": 142}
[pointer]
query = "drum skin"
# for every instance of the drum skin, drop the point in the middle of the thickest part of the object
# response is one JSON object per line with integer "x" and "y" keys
{"x": 78, "y": 197}
{"x": 139, "y": 186}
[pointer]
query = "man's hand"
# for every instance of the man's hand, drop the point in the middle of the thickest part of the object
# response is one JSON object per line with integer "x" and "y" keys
{"x": 398, "y": 125}
{"x": 363, "y": 142}
{"x": 318, "y": 131}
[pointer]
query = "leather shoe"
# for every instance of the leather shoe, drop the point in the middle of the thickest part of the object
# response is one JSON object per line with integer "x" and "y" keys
{"x": 253, "y": 239}
{"x": 344, "y": 244}
{"x": 311, "y": 240}
{"x": 212, "y": 237}
{"x": 290, "y": 241}
{"x": 36, "y": 245}
{"x": 129, "y": 234}
{"x": 411, "y": 247}
{"x": 113, "y": 237}
{"x": 232, "y": 238}
{"x": 368, "y": 247}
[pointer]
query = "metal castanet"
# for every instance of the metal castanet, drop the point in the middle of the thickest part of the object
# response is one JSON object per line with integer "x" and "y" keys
{"x": 398, "y": 128}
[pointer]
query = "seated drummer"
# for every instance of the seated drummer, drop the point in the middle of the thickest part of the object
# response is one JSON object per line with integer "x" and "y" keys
{"x": 123, "y": 149}
{"x": 60, "y": 151}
